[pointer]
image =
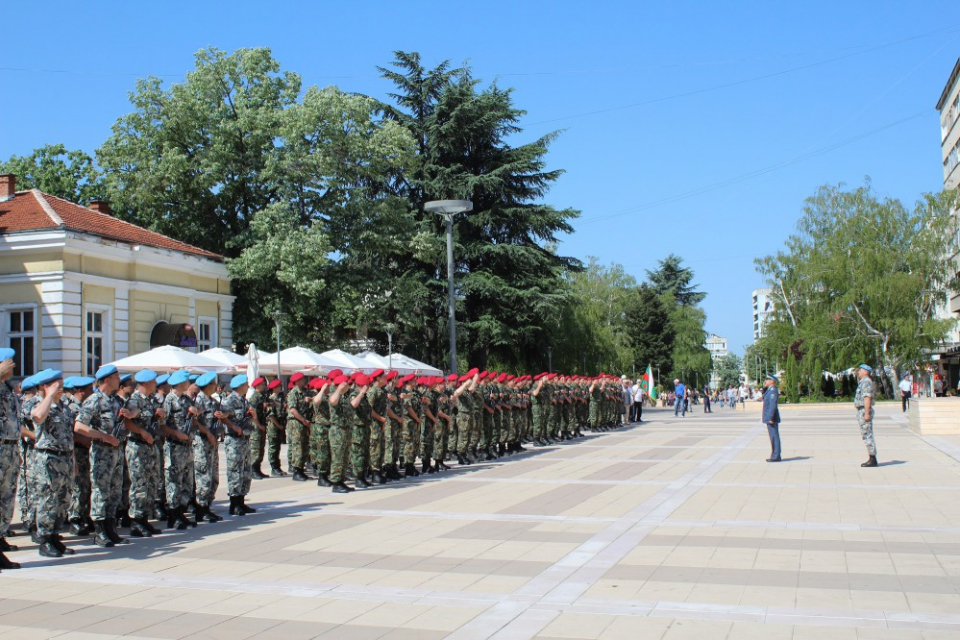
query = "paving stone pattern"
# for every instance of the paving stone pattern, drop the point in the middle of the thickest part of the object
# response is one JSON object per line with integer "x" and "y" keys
{"x": 674, "y": 528}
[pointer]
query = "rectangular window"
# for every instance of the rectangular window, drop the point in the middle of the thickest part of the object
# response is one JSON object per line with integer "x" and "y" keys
{"x": 22, "y": 338}
{"x": 95, "y": 341}
{"x": 206, "y": 333}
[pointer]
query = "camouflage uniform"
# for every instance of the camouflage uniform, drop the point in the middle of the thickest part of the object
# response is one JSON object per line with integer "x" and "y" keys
{"x": 865, "y": 390}
{"x": 391, "y": 430}
{"x": 360, "y": 445}
{"x": 297, "y": 436}
{"x": 320, "y": 437}
{"x": 142, "y": 458}
{"x": 377, "y": 398}
{"x": 9, "y": 454}
{"x": 178, "y": 455}
{"x": 101, "y": 412}
{"x": 428, "y": 428}
{"x": 239, "y": 472}
{"x": 52, "y": 470}
{"x": 464, "y": 421}
{"x": 24, "y": 497}
{"x": 411, "y": 430}
{"x": 275, "y": 435}
{"x": 341, "y": 425}
{"x": 258, "y": 402}
{"x": 206, "y": 456}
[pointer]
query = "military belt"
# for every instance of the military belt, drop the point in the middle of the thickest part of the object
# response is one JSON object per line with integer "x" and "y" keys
{"x": 54, "y": 452}
{"x": 9, "y": 440}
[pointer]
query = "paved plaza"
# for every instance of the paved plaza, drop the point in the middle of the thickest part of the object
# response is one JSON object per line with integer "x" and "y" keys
{"x": 674, "y": 528}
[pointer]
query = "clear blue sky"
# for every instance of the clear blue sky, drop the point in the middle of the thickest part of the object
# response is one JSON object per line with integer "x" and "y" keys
{"x": 672, "y": 115}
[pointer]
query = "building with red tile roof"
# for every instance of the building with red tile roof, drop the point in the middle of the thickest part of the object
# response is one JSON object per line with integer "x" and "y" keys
{"x": 79, "y": 287}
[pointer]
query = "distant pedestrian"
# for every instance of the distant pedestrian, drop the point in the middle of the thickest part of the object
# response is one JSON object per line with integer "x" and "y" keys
{"x": 863, "y": 401}
{"x": 680, "y": 395}
{"x": 706, "y": 400}
{"x": 906, "y": 390}
{"x": 771, "y": 415}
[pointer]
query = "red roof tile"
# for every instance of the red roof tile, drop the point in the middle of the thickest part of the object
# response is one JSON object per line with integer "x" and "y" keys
{"x": 34, "y": 210}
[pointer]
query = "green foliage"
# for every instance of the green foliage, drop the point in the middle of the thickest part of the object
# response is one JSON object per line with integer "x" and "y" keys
{"x": 649, "y": 331}
{"x": 70, "y": 175}
{"x": 861, "y": 280}
{"x": 670, "y": 277}
{"x": 728, "y": 370}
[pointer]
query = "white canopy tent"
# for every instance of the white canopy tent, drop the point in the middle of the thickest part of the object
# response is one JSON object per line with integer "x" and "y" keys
{"x": 296, "y": 359}
{"x": 226, "y": 358}
{"x": 415, "y": 366}
{"x": 168, "y": 358}
{"x": 349, "y": 362}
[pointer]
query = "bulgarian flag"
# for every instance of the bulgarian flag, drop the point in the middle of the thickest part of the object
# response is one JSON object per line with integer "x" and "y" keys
{"x": 647, "y": 383}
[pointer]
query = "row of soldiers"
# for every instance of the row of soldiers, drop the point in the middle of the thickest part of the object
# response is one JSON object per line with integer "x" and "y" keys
{"x": 96, "y": 453}
{"x": 380, "y": 424}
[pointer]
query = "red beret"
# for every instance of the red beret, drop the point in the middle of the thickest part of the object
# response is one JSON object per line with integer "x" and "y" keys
{"x": 423, "y": 380}
{"x": 290, "y": 385}
{"x": 502, "y": 378}
{"x": 409, "y": 378}
{"x": 340, "y": 379}
{"x": 274, "y": 384}
{"x": 399, "y": 383}
{"x": 551, "y": 376}
{"x": 376, "y": 374}
{"x": 453, "y": 377}
{"x": 464, "y": 377}
{"x": 473, "y": 372}
{"x": 298, "y": 376}
{"x": 336, "y": 373}
{"x": 362, "y": 379}
{"x": 392, "y": 375}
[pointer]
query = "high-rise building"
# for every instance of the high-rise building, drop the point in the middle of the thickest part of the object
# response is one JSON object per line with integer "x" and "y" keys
{"x": 717, "y": 346}
{"x": 762, "y": 305}
{"x": 949, "y": 107}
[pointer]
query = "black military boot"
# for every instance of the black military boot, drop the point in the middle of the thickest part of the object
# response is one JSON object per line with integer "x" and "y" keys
{"x": 277, "y": 472}
{"x": 361, "y": 481}
{"x": 501, "y": 450}
{"x": 340, "y": 487}
{"x": 183, "y": 520}
{"x": 490, "y": 455}
{"x": 160, "y": 510}
{"x": 210, "y": 516}
{"x": 80, "y": 528}
{"x": 58, "y": 543}
{"x": 235, "y": 509}
{"x": 171, "y": 517}
{"x": 410, "y": 471}
{"x": 34, "y": 536}
{"x": 244, "y": 506}
{"x": 376, "y": 478}
{"x": 872, "y": 462}
{"x": 6, "y": 546}
{"x": 139, "y": 531}
{"x": 257, "y": 474}
{"x": 123, "y": 518}
{"x": 520, "y": 448}
{"x": 425, "y": 468}
{"x": 48, "y": 549}
{"x": 100, "y": 537}
{"x": 395, "y": 472}
{"x": 110, "y": 526}
{"x": 323, "y": 481}
{"x": 299, "y": 476}
{"x": 442, "y": 466}
{"x": 7, "y": 563}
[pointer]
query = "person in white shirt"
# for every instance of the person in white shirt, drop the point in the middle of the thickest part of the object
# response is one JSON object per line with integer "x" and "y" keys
{"x": 906, "y": 390}
{"x": 638, "y": 396}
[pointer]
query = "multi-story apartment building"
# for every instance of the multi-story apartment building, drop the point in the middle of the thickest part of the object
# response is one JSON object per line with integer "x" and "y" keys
{"x": 717, "y": 346}
{"x": 762, "y": 305}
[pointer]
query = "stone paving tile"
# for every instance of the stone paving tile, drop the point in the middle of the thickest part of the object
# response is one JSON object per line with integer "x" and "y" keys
{"x": 676, "y": 528}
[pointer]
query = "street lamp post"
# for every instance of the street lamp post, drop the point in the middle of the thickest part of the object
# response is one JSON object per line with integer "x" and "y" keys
{"x": 278, "y": 316}
{"x": 549, "y": 359}
{"x": 448, "y": 209}
{"x": 390, "y": 329}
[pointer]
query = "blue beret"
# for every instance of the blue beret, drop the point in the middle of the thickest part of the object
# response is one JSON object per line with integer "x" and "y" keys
{"x": 7, "y": 353}
{"x": 194, "y": 377}
{"x": 48, "y": 375}
{"x": 145, "y": 375}
{"x": 164, "y": 379}
{"x": 125, "y": 377}
{"x": 206, "y": 379}
{"x": 68, "y": 382}
{"x": 866, "y": 368}
{"x": 82, "y": 381}
{"x": 178, "y": 377}
{"x": 105, "y": 371}
{"x": 238, "y": 381}
{"x": 28, "y": 383}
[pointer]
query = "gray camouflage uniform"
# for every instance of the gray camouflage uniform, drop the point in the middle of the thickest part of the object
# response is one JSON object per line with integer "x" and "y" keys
{"x": 865, "y": 390}
{"x": 142, "y": 460}
{"x": 239, "y": 472}
{"x": 52, "y": 474}
{"x": 9, "y": 454}
{"x": 177, "y": 455}
{"x": 206, "y": 457}
{"x": 101, "y": 412}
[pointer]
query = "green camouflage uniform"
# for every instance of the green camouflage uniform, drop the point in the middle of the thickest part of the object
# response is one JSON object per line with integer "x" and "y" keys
{"x": 341, "y": 426}
{"x": 297, "y": 436}
{"x": 377, "y": 398}
{"x": 320, "y": 437}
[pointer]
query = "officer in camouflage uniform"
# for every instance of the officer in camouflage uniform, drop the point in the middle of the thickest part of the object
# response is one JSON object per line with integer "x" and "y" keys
{"x": 410, "y": 411}
{"x": 178, "y": 450}
{"x": 235, "y": 414}
{"x": 342, "y": 415}
{"x": 100, "y": 418}
{"x": 465, "y": 414}
{"x": 206, "y": 454}
{"x": 360, "y": 439}
{"x": 377, "y": 397}
{"x": 9, "y": 453}
{"x": 76, "y": 390}
{"x": 276, "y": 420}
{"x": 141, "y": 454}
{"x": 297, "y": 428}
{"x": 30, "y": 397}
{"x": 392, "y": 439}
{"x": 320, "y": 430}
{"x": 428, "y": 429}
{"x": 53, "y": 463}
{"x": 486, "y": 419}
{"x": 258, "y": 438}
{"x": 863, "y": 400}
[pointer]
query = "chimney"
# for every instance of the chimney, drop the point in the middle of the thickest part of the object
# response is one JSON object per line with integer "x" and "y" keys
{"x": 8, "y": 186}
{"x": 100, "y": 206}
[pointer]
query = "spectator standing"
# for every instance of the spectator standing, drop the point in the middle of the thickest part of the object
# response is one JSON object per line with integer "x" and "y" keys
{"x": 706, "y": 400}
{"x": 638, "y": 397}
{"x": 906, "y": 390}
{"x": 771, "y": 415}
{"x": 680, "y": 395}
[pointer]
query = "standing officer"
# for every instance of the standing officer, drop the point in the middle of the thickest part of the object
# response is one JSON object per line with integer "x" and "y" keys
{"x": 276, "y": 417}
{"x": 320, "y": 430}
{"x": 53, "y": 463}
{"x": 771, "y": 415}
{"x": 79, "y": 514}
{"x": 235, "y": 414}
{"x": 99, "y": 418}
{"x": 298, "y": 427}
{"x": 141, "y": 454}
{"x": 341, "y": 426}
{"x": 863, "y": 401}
{"x": 380, "y": 425}
{"x": 206, "y": 454}
{"x": 258, "y": 438}
{"x": 9, "y": 453}
{"x": 178, "y": 450}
